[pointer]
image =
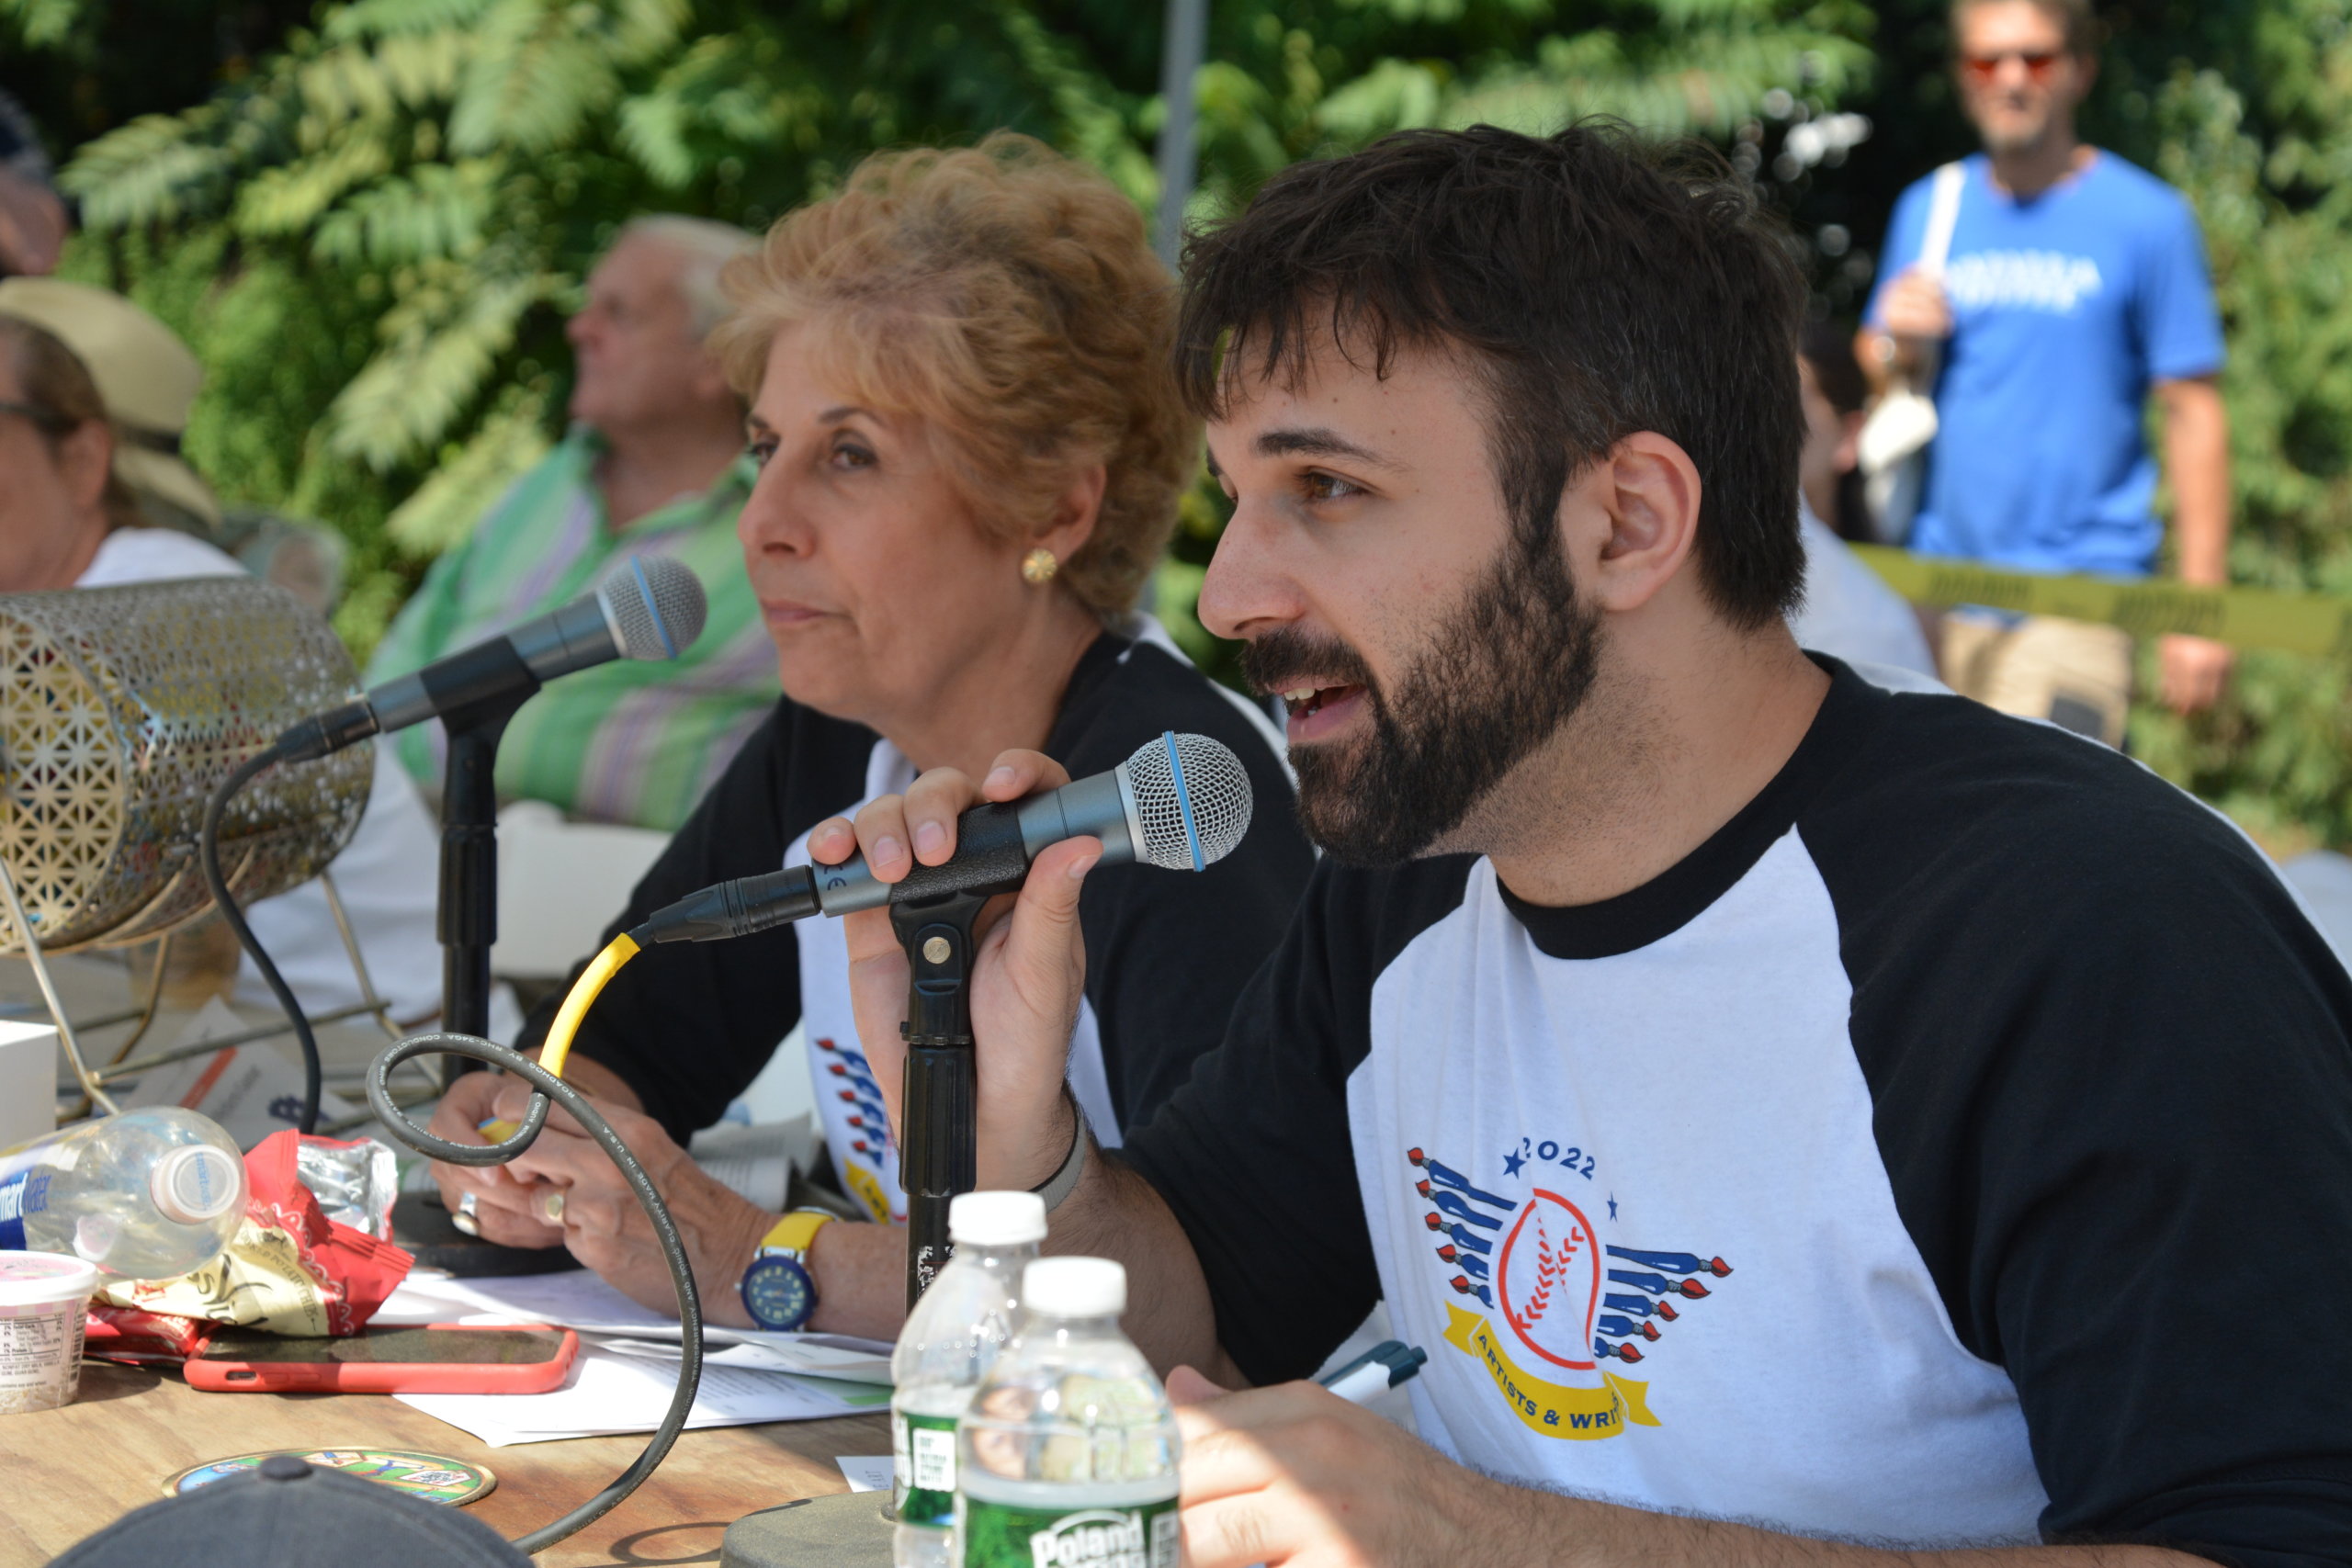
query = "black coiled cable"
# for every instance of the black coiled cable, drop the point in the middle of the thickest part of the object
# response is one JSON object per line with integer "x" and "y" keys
{"x": 665, "y": 1230}
{"x": 546, "y": 1087}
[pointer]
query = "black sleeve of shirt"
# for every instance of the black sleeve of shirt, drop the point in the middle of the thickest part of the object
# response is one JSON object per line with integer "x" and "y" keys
{"x": 1254, "y": 1153}
{"x": 688, "y": 1025}
{"x": 2112, "y": 1079}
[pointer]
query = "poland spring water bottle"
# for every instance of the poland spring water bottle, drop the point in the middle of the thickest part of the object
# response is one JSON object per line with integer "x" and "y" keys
{"x": 145, "y": 1194}
{"x": 948, "y": 1345}
{"x": 1067, "y": 1457}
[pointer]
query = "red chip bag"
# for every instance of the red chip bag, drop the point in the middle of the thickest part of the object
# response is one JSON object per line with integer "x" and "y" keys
{"x": 140, "y": 1338}
{"x": 354, "y": 1270}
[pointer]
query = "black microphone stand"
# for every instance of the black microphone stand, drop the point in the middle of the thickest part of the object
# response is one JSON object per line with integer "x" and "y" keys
{"x": 939, "y": 1155}
{"x": 467, "y": 920}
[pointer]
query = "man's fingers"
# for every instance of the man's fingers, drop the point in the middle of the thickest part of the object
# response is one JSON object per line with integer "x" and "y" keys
{"x": 832, "y": 841}
{"x": 933, "y": 802}
{"x": 882, "y": 838}
{"x": 1254, "y": 1526}
{"x": 1251, "y": 1409}
{"x": 1226, "y": 1463}
{"x": 1186, "y": 1386}
{"x": 1049, "y": 893}
{"x": 1018, "y": 773}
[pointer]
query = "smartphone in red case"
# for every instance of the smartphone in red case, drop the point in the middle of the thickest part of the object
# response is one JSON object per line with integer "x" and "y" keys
{"x": 441, "y": 1358}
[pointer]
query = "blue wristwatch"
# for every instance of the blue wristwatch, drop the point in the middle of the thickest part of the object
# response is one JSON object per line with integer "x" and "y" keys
{"x": 777, "y": 1289}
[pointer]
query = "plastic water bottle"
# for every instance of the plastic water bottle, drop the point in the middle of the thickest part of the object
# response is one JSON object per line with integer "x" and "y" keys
{"x": 949, "y": 1343}
{"x": 149, "y": 1195}
{"x": 1067, "y": 1457}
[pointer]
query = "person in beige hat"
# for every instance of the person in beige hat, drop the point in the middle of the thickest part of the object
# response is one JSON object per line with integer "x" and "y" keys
{"x": 88, "y": 379}
{"x": 146, "y": 377}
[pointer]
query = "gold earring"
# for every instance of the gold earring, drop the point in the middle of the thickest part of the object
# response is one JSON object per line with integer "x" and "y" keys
{"x": 1037, "y": 567}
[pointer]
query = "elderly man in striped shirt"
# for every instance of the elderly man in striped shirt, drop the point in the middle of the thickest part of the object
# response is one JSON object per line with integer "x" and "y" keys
{"x": 653, "y": 465}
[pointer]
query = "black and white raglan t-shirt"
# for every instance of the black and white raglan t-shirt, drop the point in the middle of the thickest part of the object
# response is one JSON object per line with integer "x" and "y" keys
{"x": 1956, "y": 1148}
{"x": 689, "y": 1025}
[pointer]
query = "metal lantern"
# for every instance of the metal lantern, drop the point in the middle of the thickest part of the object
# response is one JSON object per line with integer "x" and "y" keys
{"x": 121, "y": 710}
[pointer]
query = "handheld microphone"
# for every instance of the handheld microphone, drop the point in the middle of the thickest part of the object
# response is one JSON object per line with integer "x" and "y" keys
{"x": 645, "y": 608}
{"x": 1181, "y": 802}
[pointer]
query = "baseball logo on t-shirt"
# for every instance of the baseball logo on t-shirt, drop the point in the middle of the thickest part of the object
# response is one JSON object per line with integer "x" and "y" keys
{"x": 1567, "y": 1299}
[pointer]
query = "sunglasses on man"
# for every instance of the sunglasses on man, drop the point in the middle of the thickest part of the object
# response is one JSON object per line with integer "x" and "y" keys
{"x": 1982, "y": 70}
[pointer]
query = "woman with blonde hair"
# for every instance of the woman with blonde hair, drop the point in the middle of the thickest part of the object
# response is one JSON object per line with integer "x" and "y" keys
{"x": 971, "y": 450}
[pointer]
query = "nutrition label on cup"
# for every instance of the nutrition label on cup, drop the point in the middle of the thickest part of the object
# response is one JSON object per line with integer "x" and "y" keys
{"x": 39, "y": 1351}
{"x": 41, "y": 1299}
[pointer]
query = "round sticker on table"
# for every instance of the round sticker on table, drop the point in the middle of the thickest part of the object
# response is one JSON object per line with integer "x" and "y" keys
{"x": 434, "y": 1478}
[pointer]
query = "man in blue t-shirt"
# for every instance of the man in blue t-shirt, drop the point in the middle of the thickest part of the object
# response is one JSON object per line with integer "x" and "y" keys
{"x": 2074, "y": 284}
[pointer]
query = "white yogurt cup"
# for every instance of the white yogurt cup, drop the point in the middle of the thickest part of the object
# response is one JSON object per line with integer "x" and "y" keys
{"x": 43, "y": 1298}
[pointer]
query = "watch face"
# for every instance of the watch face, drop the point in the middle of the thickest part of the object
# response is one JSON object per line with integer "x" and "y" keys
{"x": 778, "y": 1293}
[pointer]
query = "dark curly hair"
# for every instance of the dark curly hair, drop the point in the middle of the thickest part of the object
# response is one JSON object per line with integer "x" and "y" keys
{"x": 1602, "y": 285}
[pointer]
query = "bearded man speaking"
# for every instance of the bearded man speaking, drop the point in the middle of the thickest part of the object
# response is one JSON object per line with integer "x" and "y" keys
{"x": 1804, "y": 1122}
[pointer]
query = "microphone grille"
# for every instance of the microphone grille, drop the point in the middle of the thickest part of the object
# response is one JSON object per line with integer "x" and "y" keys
{"x": 656, "y": 605}
{"x": 1193, "y": 798}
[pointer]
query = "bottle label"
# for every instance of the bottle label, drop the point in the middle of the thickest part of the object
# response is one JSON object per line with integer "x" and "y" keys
{"x": 24, "y": 1192}
{"x": 1006, "y": 1535}
{"x": 922, "y": 1455}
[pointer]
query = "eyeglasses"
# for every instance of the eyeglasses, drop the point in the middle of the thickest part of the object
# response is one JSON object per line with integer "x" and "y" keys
{"x": 1982, "y": 70}
{"x": 50, "y": 420}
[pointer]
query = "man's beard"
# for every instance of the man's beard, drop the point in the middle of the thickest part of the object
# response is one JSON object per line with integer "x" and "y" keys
{"x": 1507, "y": 667}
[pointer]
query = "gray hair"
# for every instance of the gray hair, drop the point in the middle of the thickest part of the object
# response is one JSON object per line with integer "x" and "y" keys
{"x": 702, "y": 246}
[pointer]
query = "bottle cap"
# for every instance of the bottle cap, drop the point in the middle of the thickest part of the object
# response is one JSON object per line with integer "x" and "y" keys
{"x": 1075, "y": 1287}
{"x": 996, "y": 1219}
{"x": 197, "y": 1182}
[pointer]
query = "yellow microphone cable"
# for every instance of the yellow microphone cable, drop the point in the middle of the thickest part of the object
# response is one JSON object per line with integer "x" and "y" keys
{"x": 593, "y": 979}
{"x": 576, "y": 1002}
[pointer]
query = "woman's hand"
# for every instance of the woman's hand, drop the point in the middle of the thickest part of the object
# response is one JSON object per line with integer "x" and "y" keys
{"x": 567, "y": 1185}
{"x": 505, "y": 1209}
{"x": 1029, "y": 972}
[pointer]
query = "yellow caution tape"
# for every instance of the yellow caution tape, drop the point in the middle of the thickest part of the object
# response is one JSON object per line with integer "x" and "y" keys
{"x": 2242, "y": 617}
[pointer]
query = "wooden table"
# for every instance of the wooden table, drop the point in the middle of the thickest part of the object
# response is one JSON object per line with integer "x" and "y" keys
{"x": 66, "y": 1473}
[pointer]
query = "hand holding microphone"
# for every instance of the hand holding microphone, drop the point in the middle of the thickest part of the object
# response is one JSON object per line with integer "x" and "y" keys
{"x": 1028, "y": 973}
{"x": 1181, "y": 802}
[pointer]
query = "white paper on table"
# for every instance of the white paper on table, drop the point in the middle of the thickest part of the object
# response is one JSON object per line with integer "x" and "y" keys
{"x": 804, "y": 1356}
{"x": 575, "y": 1298}
{"x": 608, "y": 1392}
{"x": 866, "y": 1473}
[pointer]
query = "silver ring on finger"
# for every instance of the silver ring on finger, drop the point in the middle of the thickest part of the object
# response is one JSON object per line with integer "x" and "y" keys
{"x": 463, "y": 1218}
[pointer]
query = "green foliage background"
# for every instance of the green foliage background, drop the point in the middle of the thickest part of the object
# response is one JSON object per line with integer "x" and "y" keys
{"x": 369, "y": 218}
